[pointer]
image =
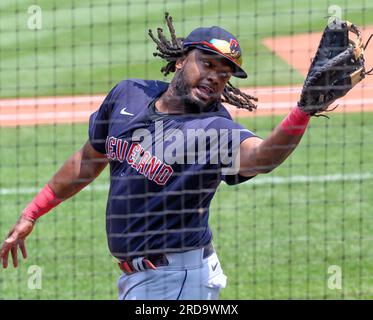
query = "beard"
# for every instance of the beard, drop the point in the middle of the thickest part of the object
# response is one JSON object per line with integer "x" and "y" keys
{"x": 192, "y": 104}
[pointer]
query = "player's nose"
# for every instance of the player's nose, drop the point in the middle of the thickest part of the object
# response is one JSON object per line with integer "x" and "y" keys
{"x": 214, "y": 78}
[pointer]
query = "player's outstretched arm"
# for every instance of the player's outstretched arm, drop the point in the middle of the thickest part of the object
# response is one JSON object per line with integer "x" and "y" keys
{"x": 262, "y": 156}
{"x": 76, "y": 173}
{"x": 337, "y": 67}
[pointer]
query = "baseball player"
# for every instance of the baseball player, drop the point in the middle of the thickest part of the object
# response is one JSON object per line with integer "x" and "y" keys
{"x": 160, "y": 190}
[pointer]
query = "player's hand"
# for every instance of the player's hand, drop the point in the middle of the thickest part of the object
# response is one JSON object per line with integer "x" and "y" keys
{"x": 16, "y": 238}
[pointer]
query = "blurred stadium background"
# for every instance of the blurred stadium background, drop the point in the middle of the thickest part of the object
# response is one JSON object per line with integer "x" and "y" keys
{"x": 277, "y": 235}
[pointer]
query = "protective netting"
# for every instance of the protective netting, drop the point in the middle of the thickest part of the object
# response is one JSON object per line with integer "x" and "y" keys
{"x": 301, "y": 231}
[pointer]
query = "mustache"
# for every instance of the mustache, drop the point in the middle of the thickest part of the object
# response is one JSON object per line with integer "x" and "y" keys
{"x": 191, "y": 104}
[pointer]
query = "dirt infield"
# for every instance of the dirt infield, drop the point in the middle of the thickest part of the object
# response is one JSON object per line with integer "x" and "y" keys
{"x": 296, "y": 50}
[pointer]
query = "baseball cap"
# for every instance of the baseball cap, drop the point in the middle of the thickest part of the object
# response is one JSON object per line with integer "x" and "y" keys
{"x": 217, "y": 40}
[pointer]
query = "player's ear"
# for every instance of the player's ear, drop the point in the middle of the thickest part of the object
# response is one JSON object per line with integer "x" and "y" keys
{"x": 180, "y": 63}
{"x": 183, "y": 60}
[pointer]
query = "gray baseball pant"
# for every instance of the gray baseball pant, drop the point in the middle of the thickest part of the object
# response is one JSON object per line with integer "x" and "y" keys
{"x": 187, "y": 277}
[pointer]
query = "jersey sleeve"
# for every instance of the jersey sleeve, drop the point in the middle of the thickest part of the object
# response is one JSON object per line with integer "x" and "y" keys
{"x": 235, "y": 134}
{"x": 99, "y": 122}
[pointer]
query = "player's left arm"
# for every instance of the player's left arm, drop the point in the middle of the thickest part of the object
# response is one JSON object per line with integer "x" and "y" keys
{"x": 337, "y": 67}
{"x": 262, "y": 156}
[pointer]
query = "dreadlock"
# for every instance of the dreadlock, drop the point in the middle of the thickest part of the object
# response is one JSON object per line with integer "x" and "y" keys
{"x": 172, "y": 50}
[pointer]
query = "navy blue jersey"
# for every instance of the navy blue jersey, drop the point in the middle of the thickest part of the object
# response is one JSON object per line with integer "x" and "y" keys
{"x": 160, "y": 190}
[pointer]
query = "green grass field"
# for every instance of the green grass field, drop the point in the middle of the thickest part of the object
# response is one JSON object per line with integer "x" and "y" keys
{"x": 274, "y": 239}
{"x": 85, "y": 47}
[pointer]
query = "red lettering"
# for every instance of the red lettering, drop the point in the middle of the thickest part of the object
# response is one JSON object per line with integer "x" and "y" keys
{"x": 112, "y": 143}
{"x": 133, "y": 152}
{"x": 138, "y": 156}
{"x": 121, "y": 149}
{"x": 143, "y": 161}
{"x": 152, "y": 167}
{"x": 163, "y": 175}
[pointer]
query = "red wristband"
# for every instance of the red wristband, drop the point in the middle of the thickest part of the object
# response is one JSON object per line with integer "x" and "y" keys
{"x": 44, "y": 201}
{"x": 295, "y": 122}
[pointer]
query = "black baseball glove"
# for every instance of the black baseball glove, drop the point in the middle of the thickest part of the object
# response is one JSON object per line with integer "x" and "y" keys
{"x": 336, "y": 68}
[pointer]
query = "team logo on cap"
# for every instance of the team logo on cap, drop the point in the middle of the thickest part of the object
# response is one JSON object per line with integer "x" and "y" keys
{"x": 230, "y": 49}
{"x": 235, "y": 48}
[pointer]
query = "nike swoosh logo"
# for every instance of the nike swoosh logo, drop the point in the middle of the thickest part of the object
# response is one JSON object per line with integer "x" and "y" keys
{"x": 214, "y": 267}
{"x": 124, "y": 112}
